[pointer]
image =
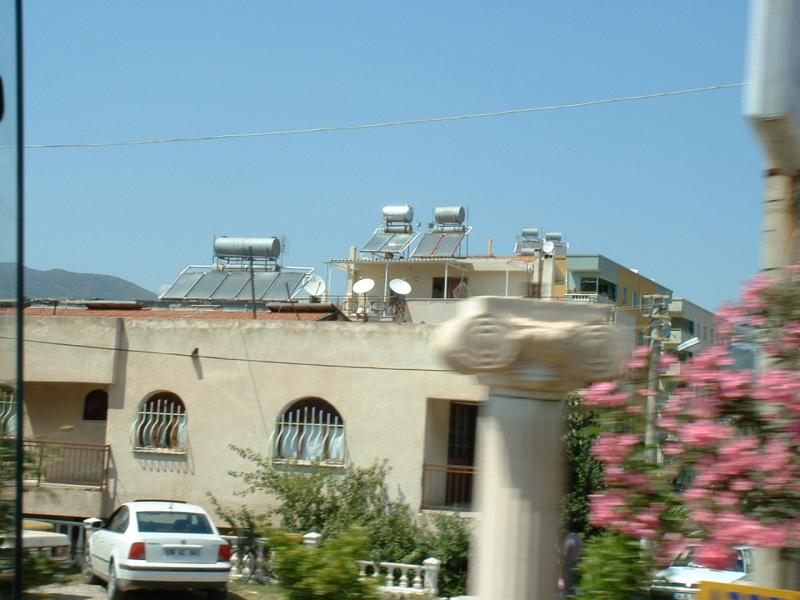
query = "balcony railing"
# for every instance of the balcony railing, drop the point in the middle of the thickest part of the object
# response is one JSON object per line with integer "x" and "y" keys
{"x": 74, "y": 464}
{"x": 587, "y": 297}
{"x": 447, "y": 487}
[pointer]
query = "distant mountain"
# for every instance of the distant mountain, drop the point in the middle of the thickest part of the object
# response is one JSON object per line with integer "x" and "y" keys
{"x": 57, "y": 283}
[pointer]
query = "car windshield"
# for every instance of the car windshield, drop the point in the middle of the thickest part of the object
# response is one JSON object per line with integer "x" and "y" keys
{"x": 172, "y": 522}
{"x": 688, "y": 558}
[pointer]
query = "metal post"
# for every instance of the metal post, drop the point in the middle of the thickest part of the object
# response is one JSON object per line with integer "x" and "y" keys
{"x": 385, "y": 285}
{"x": 506, "y": 280}
{"x": 252, "y": 283}
{"x": 327, "y": 282}
{"x": 445, "y": 279}
{"x": 19, "y": 454}
{"x": 659, "y": 318}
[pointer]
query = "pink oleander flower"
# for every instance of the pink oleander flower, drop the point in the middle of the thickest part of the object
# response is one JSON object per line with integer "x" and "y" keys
{"x": 718, "y": 556}
{"x": 605, "y": 394}
{"x": 706, "y": 434}
{"x": 614, "y": 448}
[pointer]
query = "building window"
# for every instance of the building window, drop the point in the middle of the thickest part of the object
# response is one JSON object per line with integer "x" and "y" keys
{"x": 161, "y": 425}
{"x": 95, "y": 406}
{"x": 457, "y": 287}
{"x": 635, "y": 299}
{"x": 624, "y": 295}
{"x": 8, "y": 412}
{"x": 310, "y": 430}
{"x": 589, "y": 285}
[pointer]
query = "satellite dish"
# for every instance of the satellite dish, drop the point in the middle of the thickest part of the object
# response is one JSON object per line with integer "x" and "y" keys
{"x": 362, "y": 286}
{"x": 314, "y": 286}
{"x": 548, "y": 247}
{"x": 400, "y": 287}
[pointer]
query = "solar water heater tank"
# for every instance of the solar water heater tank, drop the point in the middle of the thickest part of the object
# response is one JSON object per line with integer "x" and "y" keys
{"x": 241, "y": 247}
{"x": 449, "y": 214}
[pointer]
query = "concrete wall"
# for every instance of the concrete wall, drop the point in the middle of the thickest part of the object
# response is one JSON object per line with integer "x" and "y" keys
{"x": 61, "y": 349}
{"x": 378, "y": 376}
{"x": 54, "y": 413}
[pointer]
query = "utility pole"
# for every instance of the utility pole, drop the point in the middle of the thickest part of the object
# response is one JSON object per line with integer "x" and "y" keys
{"x": 660, "y": 328}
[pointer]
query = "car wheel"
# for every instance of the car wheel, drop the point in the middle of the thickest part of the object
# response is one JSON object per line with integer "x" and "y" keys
{"x": 217, "y": 594}
{"x": 86, "y": 567}
{"x": 114, "y": 593}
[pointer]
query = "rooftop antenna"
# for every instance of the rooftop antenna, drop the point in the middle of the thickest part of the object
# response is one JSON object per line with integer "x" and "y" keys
{"x": 362, "y": 286}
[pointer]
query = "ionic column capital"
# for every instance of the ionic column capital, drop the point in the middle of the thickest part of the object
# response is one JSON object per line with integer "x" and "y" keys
{"x": 533, "y": 347}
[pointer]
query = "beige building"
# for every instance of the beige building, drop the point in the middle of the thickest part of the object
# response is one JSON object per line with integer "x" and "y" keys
{"x": 127, "y": 401}
{"x": 132, "y": 404}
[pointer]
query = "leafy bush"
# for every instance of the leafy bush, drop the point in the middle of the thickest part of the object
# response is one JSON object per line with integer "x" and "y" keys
{"x": 614, "y": 567}
{"x": 329, "y": 572}
{"x": 446, "y": 536}
{"x": 331, "y": 502}
{"x": 37, "y": 569}
{"x": 585, "y": 471}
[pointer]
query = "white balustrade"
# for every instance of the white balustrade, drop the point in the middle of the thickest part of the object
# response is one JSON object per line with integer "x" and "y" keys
{"x": 425, "y": 579}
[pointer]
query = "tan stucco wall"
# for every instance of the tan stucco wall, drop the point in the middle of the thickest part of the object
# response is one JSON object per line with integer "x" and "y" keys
{"x": 51, "y": 353}
{"x": 54, "y": 413}
{"x": 380, "y": 378}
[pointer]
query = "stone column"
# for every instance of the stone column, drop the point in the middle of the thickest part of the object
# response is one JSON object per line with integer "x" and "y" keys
{"x": 530, "y": 353}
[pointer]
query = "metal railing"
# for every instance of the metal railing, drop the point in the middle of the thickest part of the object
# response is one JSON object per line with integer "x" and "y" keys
{"x": 75, "y": 464}
{"x": 447, "y": 487}
{"x": 587, "y": 297}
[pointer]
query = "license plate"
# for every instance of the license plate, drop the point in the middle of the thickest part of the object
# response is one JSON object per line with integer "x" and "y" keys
{"x": 187, "y": 552}
{"x": 684, "y": 596}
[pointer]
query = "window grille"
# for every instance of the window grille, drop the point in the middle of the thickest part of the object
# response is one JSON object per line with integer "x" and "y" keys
{"x": 8, "y": 412}
{"x": 309, "y": 431}
{"x": 161, "y": 425}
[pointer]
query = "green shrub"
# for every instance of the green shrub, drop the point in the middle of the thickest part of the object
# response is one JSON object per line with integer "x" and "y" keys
{"x": 329, "y": 572}
{"x": 332, "y": 501}
{"x": 446, "y": 536}
{"x": 613, "y": 567}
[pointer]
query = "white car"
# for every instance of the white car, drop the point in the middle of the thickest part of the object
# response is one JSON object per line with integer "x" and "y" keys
{"x": 681, "y": 580}
{"x": 54, "y": 546}
{"x": 157, "y": 544}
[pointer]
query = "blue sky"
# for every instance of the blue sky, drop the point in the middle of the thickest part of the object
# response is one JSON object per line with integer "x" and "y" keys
{"x": 669, "y": 186}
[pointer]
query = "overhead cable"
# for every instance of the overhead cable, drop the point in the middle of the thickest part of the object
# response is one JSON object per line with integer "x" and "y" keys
{"x": 226, "y": 358}
{"x": 401, "y": 123}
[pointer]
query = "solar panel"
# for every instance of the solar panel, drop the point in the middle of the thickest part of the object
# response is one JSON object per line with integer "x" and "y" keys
{"x": 232, "y": 285}
{"x": 377, "y": 242}
{"x": 180, "y": 288}
{"x": 262, "y": 281}
{"x": 449, "y": 244}
{"x": 398, "y": 243}
{"x": 427, "y": 245}
{"x": 206, "y": 286}
{"x": 279, "y": 290}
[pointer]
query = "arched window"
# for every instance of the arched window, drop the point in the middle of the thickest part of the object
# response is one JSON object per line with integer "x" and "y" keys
{"x": 95, "y": 406}
{"x": 161, "y": 424}
{"x": 310, "y": 430}
{"x": 8, "y": 412}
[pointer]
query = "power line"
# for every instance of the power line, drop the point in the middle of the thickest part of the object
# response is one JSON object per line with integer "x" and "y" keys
{"x": 420, "y": 121}
{"x": 228, "y": 358}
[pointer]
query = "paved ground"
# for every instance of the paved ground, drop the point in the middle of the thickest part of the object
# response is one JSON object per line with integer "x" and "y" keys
{"x": 81, "y": 591}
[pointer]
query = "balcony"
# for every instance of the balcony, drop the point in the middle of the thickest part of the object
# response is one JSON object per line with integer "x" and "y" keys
{"x": 587, "y": 298}
{"x": 71, "y": 464}
{"x": 447, "y": 487}
{"x": 66, "y": 479}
